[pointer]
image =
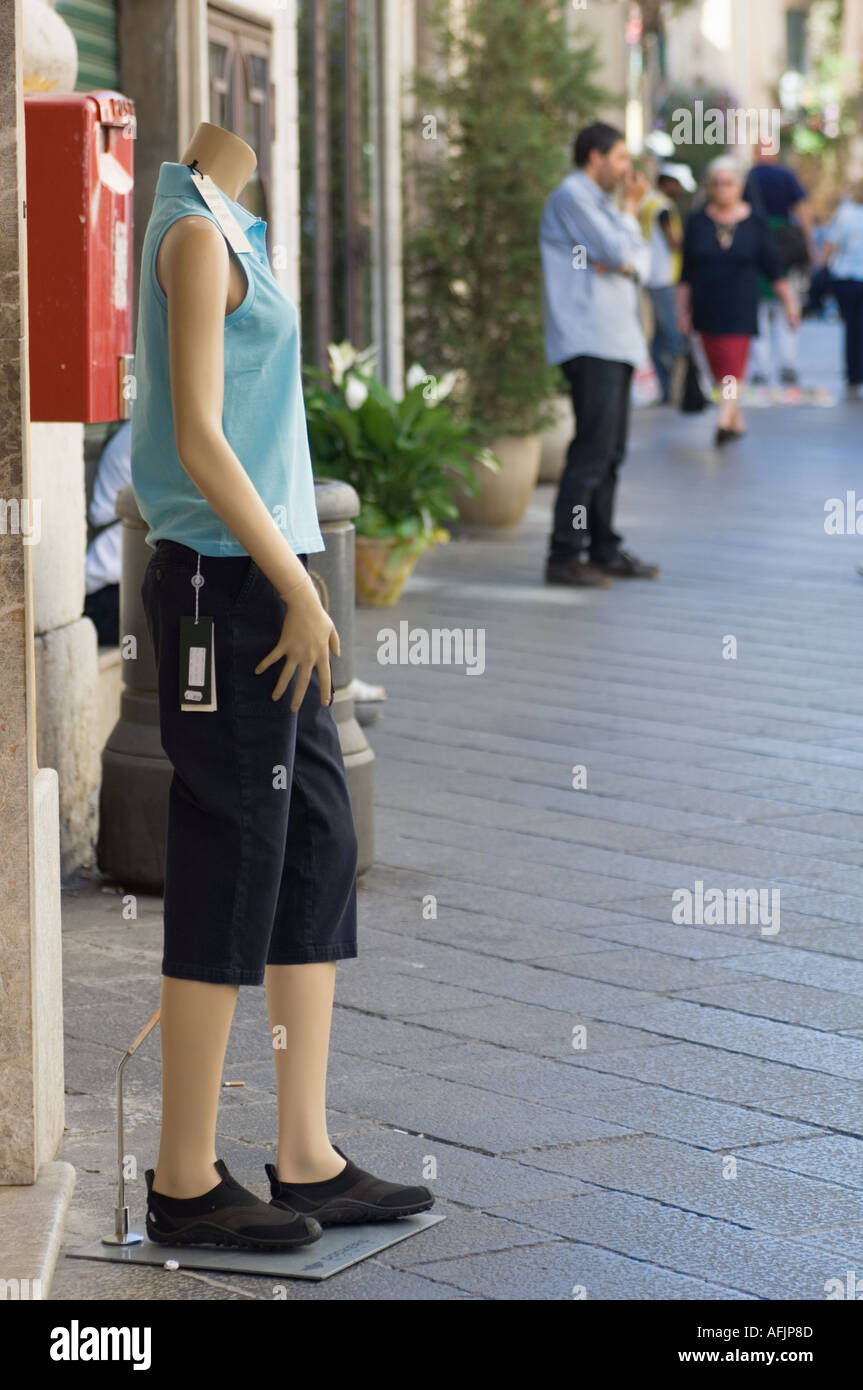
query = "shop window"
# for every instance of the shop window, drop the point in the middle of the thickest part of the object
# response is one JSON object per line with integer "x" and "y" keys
{"x": 239, "y": 63}
{"x": 337, "y": 75}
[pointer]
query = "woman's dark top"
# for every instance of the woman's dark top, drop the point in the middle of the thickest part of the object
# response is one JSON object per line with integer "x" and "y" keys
{"x": 725, "y": 284}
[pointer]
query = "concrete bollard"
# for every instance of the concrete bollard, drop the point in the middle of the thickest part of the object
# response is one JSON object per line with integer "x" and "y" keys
{"x": 333, "y": 572}
{"x": 133, "y": 802}
{"x": 136, "y": 775}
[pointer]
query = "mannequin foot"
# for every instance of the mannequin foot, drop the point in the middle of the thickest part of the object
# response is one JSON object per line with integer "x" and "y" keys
{"x": 186, "y": 1187}
{"x": 353, "y": 1195}
{"x": 227, "y": 1214}
{"x": 315, "y": 1168}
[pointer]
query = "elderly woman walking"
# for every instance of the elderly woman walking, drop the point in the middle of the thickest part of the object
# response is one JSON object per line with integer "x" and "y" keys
{"x": 726, "y": 246}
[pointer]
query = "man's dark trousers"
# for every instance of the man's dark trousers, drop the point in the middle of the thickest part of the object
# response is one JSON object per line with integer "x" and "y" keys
{"x": 600, "y": 398}
{"x": 849, "y": 297}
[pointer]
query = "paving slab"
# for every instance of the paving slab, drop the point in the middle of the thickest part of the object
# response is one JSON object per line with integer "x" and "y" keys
{"x": 839, "y": 1108}
{"x": 715, "y": 1125}
{"x": 699, "y": 1181}
{"x": 835, "y": 1157}
{"x": 831, "y": 1010}
{"x": 743, "y": 1261}
{"x": 711, "y": 1072}
{"x": 563, "y": 1270}
{"x": 477, "y": 1118}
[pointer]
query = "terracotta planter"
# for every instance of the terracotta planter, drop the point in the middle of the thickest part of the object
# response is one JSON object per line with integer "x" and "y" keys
{"x": 383, "y": 565}
{"x": 503, "y": 498}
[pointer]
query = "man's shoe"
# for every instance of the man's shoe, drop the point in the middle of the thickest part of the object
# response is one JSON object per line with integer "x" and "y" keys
{"x": 788, "y": 377}
{"x": 626, "y": 566}
{"x": 226, "y": 1215}
{"x": 352, "y": 1196}
{"x": 576, "y": 573}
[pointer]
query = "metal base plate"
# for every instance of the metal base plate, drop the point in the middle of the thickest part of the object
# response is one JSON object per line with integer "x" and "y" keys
{"x": 338, "y": 1248}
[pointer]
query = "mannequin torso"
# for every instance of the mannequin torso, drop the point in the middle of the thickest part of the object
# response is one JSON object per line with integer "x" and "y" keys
{"x": 207, "y": 297}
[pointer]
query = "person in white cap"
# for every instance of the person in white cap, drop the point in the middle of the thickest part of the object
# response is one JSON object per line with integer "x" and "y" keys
{"x": 662, "y": 227}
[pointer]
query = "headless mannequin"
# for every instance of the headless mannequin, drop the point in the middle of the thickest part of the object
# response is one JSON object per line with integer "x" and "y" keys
{"x": 203, "y": 282}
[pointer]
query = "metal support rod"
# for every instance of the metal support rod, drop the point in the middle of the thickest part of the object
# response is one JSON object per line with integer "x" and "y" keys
{"x": 122, "y": 1235}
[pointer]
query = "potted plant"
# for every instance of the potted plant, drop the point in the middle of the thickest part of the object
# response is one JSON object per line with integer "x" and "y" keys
{"x": 403, "y": 457}
{"x": 506, "y": 87}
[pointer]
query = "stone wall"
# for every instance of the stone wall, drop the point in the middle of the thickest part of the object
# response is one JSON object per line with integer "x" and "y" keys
{"x": 67, "y": 669}
{"x": 31, "y": 1010}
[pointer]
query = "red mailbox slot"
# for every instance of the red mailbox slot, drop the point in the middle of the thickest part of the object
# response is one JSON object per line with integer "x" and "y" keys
{"x": 79, "y": 248}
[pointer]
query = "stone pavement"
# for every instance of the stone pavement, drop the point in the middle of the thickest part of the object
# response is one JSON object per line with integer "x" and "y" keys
{"x": 614, "y": 1100}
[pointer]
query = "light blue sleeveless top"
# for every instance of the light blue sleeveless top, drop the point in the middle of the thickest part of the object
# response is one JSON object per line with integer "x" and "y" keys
{"x": 263, "y": 415}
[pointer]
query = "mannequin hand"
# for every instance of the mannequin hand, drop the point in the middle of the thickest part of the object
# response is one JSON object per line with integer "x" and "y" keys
{"x": 307, "y": 638}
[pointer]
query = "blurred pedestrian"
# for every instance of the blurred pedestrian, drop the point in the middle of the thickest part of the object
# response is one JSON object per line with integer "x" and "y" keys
{"x": 726, "y": 245}
{"x": 662, "y": 226}
{"x": 104, "y": 559}
{"x": 775, "y": 193}
{"x": 843, "y": 254}
{"x": 593, "y": 258}
{"x": 820, "y": 295}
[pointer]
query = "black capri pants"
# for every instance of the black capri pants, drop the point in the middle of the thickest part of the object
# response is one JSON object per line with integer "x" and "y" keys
{"x": 261, "y": 856}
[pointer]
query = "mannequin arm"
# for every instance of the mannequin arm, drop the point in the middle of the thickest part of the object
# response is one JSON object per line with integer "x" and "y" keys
{"x": 193, "y": 268}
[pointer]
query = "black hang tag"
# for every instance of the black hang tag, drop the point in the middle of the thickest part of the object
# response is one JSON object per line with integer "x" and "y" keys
{"x": 197, "y": 665}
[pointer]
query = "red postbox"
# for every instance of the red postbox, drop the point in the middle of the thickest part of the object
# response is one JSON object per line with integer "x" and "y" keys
{"x": 79, "y": 250}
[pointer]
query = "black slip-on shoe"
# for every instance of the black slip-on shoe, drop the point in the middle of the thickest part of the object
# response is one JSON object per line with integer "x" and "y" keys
{"x": 353, "y": 1195}
{"x": 229, "y": 1214}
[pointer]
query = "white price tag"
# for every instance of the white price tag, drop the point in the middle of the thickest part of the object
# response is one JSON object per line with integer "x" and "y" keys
{"x": 197, "y": 665}
{"x": 222, "y": 213}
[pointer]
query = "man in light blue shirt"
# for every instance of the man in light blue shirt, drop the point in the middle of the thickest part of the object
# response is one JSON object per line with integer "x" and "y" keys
{"x": 594, "y": 258}
{"x": 843, "y": 249}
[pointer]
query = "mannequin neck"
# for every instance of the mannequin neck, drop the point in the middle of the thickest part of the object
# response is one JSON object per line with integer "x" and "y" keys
{"x": 228, "y": 160}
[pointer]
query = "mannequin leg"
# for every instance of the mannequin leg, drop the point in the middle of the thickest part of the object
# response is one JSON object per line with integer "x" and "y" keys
{"x": 300, "y": 1001}
{"x": 195, "y": 1023}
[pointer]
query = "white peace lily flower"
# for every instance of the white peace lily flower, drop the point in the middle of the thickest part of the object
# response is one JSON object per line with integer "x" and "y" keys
{"x": 356, "y": 393}
{"x": 415, "y": 376}
{"x": 367, "y": 359}
{"x": 446, "y": 385}
{"x": 342, "y": 356}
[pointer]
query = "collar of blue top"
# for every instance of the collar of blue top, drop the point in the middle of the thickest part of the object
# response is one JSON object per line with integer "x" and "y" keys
{"x": 177, "y": 179}
{"x": 591, "y": 188}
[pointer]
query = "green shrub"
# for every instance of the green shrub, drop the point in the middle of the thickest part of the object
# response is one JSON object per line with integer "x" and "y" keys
{"x": 512, "y": 92}
{"x": 404, "y": 458}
